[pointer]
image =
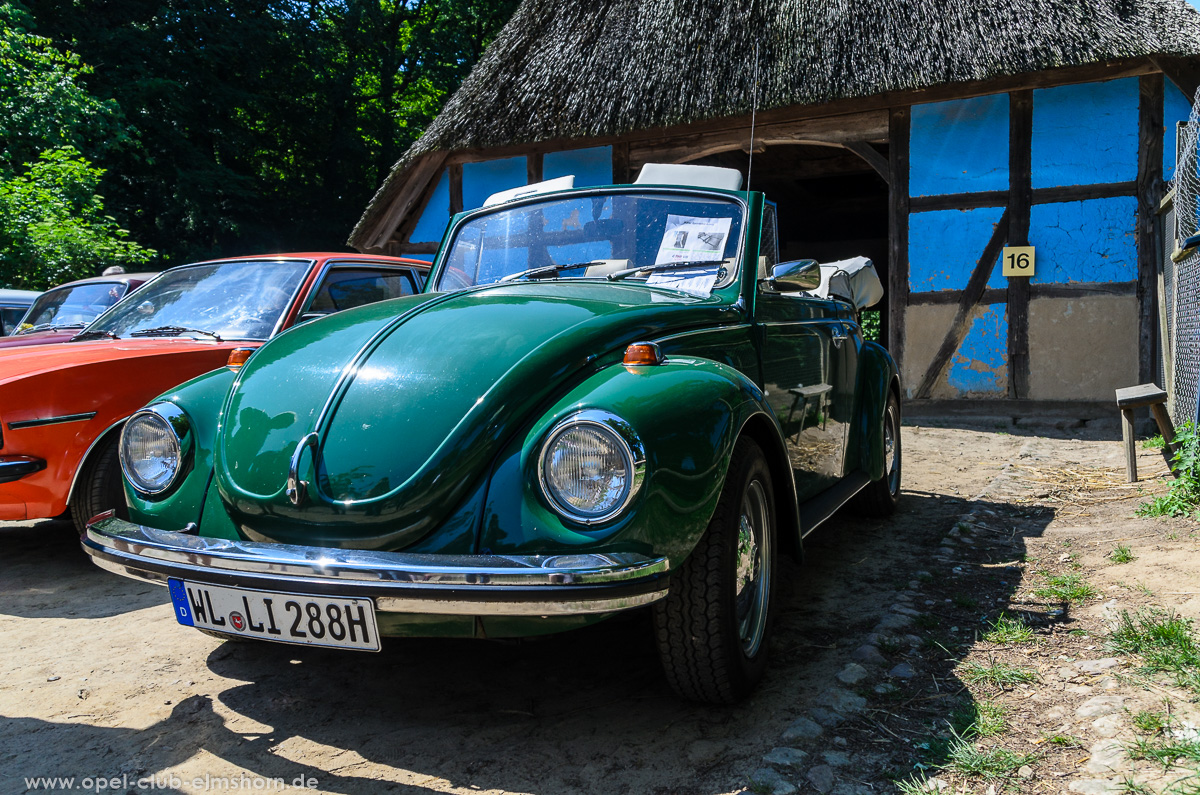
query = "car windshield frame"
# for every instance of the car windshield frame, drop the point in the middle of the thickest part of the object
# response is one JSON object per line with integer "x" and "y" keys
{"x": 732, "y": 276}
{"x": 69, "y": 289}
{"x": 146, "y": 292}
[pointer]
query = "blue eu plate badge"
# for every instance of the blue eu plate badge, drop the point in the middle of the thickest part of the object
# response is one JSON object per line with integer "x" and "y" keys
{"x": 183, "y": 611}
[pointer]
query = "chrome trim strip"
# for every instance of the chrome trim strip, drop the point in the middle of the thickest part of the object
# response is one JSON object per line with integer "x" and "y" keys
{"x": 529, "y": 585}
{"x": 18, "y": 425}
{"x": 15, "y": 467}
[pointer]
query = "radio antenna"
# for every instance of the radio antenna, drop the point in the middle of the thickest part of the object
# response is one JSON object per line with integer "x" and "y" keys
{"x": 753, "y": 113}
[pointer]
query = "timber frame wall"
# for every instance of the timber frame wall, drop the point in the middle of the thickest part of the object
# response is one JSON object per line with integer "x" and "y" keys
{"x": 855, "y": 125}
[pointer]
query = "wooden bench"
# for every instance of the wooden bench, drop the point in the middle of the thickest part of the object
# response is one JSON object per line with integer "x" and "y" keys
{"x": 1133, "y": 397}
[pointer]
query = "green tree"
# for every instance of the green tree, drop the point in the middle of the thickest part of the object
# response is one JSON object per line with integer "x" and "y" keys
{"x": 52, "y": 222}
{"x": 53, "y": 227}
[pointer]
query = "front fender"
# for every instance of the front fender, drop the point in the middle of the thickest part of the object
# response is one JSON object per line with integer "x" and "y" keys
{"x": 687, "y": 413}
{"x": 877, "y": 376}
{"x": 201, "y": 399}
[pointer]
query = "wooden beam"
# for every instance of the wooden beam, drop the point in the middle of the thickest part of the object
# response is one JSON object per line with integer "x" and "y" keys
{"x": 415, "y": 189}
{"x": 1000, "y": 295}
{"x": 1020, "y": 188}
{"x": 1149, "y": 181}
{"x": 898, "y": 137}
{"x": 873, "y": 158}
{"x": 828, "y": 131}
{"x": 620, "y": 164}
{"x": 533, "y": 168}
{"x": 456, "y": 194}
{"x": 1184, "y": 72}
{"x": 969, "y": 297}
{"x": 999, "y": 198}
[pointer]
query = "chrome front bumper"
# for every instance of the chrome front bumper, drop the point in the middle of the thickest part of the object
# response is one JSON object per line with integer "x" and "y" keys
{"x": 15, "y": 467}
{"x": 398, "y": 582}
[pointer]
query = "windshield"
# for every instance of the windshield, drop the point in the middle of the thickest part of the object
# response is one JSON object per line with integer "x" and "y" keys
{"x": 598, "y": 235}
{"x": 232, "y": 300}
{"x": 71, "y": 306}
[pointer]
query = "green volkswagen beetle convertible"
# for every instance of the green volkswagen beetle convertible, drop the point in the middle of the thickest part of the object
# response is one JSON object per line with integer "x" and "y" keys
{"x": 606, "y": 399}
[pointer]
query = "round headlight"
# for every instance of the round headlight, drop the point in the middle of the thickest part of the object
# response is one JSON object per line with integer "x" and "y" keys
{"x": 151, "y": 454}
{"x": 589, "y": 470}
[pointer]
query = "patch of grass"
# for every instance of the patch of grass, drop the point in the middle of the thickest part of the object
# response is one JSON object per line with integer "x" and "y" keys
{"x": 1166, "y": 752}
{"x": 1148, "y": 722}
{"x": 1121, "y": 554}
{"x": 1064, "y": 740}
{"x": 927, "y": 621}
{"x": 996, "y": 673}
{"x": 1079, "y": 633}
{"x": 965, "y": 602}
{"x": 1070, "y": 588}
{"x": 981, "y": 719}
{"x": 1183, "y": 498}
{"x": 1133, "y": 788}
{"x": 1009, "y": 629}
{"x": 1165, "y": 642}
{"x": 1155, "y": 442}
{"x": 967, "y": 759}
{"x": 912, "y": 786}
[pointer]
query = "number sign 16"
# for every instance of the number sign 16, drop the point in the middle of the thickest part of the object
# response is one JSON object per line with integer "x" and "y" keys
{"x": 1018, "y": 260}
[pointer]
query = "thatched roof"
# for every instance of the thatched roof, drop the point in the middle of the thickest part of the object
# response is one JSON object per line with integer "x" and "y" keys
{"x": 564, "y": 70}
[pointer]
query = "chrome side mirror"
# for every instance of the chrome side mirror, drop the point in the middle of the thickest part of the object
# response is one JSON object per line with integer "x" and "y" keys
{"x": 794, "y": 276}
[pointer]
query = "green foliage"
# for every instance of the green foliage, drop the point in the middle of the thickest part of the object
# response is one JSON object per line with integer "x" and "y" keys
{"x": 1183, "y": 498}
{"x": 871, "y": 328}
{"x": 1009, "y": 629}
{"x": 53, "y": 227}
{"x": 967, "y": 759}
{"x": 978, "y": 719}
{"x": 1165, "y": 642}
{"x": 265, "y": 124}
{"x": 43, "y": 103}
{"x": 1155, "y": 442}
{"x": 1065, "y": 588}
{"x": 1121, "y": 554}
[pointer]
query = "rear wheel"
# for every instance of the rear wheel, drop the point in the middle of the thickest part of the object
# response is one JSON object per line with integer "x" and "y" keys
{"x": 879, "y": 498}
{"x": 98, "y": 487}
{"x": 714, "y": 625}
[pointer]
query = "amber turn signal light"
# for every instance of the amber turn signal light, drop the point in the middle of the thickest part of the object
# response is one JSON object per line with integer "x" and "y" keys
{"x": 238, "y": 357}
{"x": 641, "y": 354}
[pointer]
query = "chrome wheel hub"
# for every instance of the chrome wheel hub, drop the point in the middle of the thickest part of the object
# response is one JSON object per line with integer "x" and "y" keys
{"x": 753, "y": 572}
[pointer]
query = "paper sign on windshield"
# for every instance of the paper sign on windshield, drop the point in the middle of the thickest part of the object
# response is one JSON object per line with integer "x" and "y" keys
{"x": 693, "y": 281}
{"x": 690, "y": 239}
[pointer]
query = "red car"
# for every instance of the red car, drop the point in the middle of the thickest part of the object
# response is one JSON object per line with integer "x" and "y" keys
{"x": 59, "y": 314}
{"x": 62, "y": 406}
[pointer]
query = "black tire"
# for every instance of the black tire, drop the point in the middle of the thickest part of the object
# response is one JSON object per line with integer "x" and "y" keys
{"x": 713, "y": 644}
{"x": 878, "y": 500}
{"x": 99, "y": 485}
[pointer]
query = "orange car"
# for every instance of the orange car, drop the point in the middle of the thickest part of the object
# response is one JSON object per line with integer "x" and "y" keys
{"x": 62, "y": 406}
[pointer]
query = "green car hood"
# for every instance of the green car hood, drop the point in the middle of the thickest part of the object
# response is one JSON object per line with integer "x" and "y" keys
{"x": 412, "y": 399}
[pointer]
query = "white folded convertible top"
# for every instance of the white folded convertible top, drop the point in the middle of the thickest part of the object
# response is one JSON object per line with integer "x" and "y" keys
{"x": 854, "y": 280}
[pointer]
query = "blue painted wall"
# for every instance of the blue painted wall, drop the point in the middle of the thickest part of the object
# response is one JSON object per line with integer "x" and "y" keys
{"x": 980, "y": 363}
{"x": 1176, "y": 108}
{"x": 944, "y": 246}
{"x": 590, "y": 166}
{"x": 481, "y": 180}
{"x": 436, "y": 215}
{"x": 1090, "y": 241}
{"x": 959, "y": 146}
{"x": 1085, "y": 134}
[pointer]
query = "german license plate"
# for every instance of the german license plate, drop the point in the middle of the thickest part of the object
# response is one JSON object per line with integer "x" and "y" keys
{"x": 285, "y": 617}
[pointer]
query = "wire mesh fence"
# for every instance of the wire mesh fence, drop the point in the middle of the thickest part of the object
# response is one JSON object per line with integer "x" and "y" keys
{"x": 1179, "y": 316}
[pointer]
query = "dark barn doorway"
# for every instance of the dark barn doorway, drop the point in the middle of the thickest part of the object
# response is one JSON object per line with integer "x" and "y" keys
{"x": 832, "y": 205}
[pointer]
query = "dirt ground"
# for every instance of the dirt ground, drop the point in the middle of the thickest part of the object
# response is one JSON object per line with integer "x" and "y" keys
{"x": 97, "y": 679}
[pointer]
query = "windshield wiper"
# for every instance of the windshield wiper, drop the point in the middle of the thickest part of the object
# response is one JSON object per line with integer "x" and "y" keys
{"x": 101, "y": 332}
{"x": 52, "y": 327}
{"x": 666, "y": 266}
{"x": 175, "y": 331}
{"x": 547, "y": 270}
